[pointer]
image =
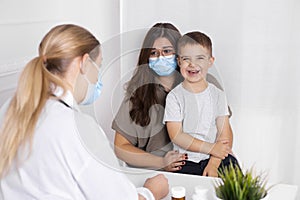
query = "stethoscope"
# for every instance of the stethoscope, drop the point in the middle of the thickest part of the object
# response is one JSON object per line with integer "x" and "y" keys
{"x": 61, "y": 101}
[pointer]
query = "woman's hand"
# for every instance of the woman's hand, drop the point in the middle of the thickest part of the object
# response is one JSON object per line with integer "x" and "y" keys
{"x": 173, "y": 161}
{"x": 158, "y": 185}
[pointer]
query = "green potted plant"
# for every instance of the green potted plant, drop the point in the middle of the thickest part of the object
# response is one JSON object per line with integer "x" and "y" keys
{"x": 236, "y": 185}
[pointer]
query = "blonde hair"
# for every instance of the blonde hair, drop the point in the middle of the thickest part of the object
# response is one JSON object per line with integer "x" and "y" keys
{"x": 56, "y": 51}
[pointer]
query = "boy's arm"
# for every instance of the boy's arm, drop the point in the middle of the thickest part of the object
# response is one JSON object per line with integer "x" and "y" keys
{"x": 224, "y": 130}
{"x": 220, "y": 149}
{"x": 224, "y": 133}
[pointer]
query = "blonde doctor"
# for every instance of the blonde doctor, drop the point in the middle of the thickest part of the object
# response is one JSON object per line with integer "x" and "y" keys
{"x": 44, "y": 147}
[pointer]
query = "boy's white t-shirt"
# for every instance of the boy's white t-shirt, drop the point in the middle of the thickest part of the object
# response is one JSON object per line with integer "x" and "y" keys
{"x": 198, "y": 113}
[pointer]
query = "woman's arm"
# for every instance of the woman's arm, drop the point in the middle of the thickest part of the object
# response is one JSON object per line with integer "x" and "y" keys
{"x": 219, "y": 149}
{"x": 135, "y": 156}
{"x": 140, "y": 158}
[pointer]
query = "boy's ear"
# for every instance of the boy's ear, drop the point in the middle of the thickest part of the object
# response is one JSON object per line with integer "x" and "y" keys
{"x": 83, "y": 65}
{"x": 211, "y": 61}
{"x": 178, "y": 61}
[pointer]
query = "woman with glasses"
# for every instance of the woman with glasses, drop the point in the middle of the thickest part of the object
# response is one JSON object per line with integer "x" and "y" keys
{"x": 141, "y": 138}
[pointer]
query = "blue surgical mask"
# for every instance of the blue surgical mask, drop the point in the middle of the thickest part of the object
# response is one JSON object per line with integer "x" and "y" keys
{"x": 163, "y": 65}
{"x": 93, "y": 91}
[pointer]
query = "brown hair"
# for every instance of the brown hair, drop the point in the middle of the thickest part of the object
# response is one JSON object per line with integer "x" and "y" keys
{"x": 56, "y": 51}
{"x": 195, "y": 38}
{"x": 142, "y": 88}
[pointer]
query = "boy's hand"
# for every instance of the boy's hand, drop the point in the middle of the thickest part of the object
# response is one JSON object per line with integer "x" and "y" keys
{"x": 210, "y": 170}
{"x": 220, "y": 149}
{"x": 212, "y": 166}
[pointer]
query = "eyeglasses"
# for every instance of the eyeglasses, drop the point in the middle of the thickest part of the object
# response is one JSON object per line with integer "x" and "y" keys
{"x": 155, "y": 53}
{"x": 98, "y": 67}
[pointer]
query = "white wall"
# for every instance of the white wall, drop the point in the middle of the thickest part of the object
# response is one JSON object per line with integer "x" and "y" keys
{"x": 22, "y": 28}
{"x": 256, "y": 45}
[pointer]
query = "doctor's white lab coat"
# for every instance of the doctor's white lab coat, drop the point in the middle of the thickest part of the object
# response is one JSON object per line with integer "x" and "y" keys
{"x": 71, "y": 159}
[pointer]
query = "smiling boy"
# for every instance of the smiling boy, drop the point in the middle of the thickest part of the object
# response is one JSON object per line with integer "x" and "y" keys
{"x": 196, "y": 112}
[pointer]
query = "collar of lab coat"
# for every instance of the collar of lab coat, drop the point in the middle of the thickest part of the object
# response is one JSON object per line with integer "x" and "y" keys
{"x": 67, "y": 98}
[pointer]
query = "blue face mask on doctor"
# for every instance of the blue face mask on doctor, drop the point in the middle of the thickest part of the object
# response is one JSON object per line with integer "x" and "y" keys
{"x": 163, "y": 65}
{"x": 94, "y": 89}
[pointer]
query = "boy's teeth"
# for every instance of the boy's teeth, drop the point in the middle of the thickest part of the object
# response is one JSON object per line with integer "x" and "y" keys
{"x": 193, "y": 71}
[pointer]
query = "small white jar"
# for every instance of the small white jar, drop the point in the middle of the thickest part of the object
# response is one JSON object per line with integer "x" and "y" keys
{"x": 200, "y": 193}
{"x": 178, "y": 193}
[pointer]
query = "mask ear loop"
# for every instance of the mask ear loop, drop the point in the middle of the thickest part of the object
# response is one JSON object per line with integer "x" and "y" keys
{"x": 85, "y": 78}
{"x": 82, "y": 68}
{"x": 84, "y": 72}
{"x": 98, "y": 67}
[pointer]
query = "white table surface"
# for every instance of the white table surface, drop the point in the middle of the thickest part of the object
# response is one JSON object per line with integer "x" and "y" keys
{"x": 138, "y": 177}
